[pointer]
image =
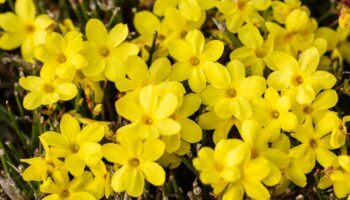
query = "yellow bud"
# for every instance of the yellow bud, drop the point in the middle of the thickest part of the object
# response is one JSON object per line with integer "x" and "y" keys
{"x": 344, "y": 19}
{"x": 97, "y": 110}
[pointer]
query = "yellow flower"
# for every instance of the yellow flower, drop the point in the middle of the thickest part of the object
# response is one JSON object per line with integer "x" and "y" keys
{"x": 59, "y": 187}
{"x": 190, "y": 132}
{"x": 300, "y": 76}
{"x": 23, "y": 29}
{"x": 231, "y": 92}
{"x": 44, "y": 91}
{"x": 89, "y": 86}
{"x": 67, "y": 25}
{"x": 281, "y": 9}
{"x": 149, "y": 113}
{"x": 137, "y": 160}
{"x": 315, "y": 110}
{"x": 253, "y": 172}
{"x": 344, "y": 18}
{"x": 172, "y": 26}
{"x": 138, "y": 74}
{"x": 336, "y": 126}
{"x": 146, "y": 24}
{"x": 61, "y": 55}
{"x": 239, "y": 12}
{"x": 295, "y": 168}
{"x": 178, "y": 26}
{"x": 193, "y": 57}
{"x": 101, "y": 185}
{"x": 338, "y": 175}
{"x": 315, "y": 143}
{"x": 210, "y": 120}
{"x": 220, "y": 166}
{"x": 230, "y": 166}
{"x": 105, "y": 49}
{"x": 78, "y": 147}
{"x": 41, "y": 168}
{"x": 297, "y": 35}
{"x": 190, "y": 9}
{"x": 273, "y": 113}
{"x": 336, "y": 42}
{"x": 255, "y": 49}
{"x": 257, "y": 141}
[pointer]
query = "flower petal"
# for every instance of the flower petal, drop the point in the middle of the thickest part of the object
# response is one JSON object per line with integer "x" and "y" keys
{"x": 190, "y": 131}
{"x": 250, "y": 36}
{"x": 180, "y": 50}
{"x": 167, "y": 106}
{"x": 168, "y": 126}
{"x": 197, "y": 80}
{"x": 196, "y": 39}
{"x": 118, "y": 34}
{"x": 213, "y": 50}
{"x": 96, "y": 31}
{"x": 309, "y": 60}
{"x": 67, "y": 91}
{"x": 153, "y": 173}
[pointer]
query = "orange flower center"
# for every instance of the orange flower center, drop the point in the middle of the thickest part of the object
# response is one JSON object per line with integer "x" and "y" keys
{"x": 104, "y": 52}
{"x": 195, "y": 61}
{"x": 30, "y": 28}
{"x": 74, "y": 148}
{"x": 62, "y": 59}
{"x": 134, "y": 162}
{"x": 64, "y": 193}
{"x": 275, "y": 114}
{"x": 313, "y": 143}
{"x": 298, "y": 80}
{"x": 231, "y": 92}
{"x": 147, "y": 120}
{"x": 307, "y": 109}
{"x": 48, "y": 88}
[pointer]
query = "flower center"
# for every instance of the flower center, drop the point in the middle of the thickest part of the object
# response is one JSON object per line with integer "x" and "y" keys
{"x": 298, "y": 80}
{"x": 30, "y": 28}
{"x": 104, "y": 52}
{"x": 74, "y": 148}
{"x": 64, "y": 193}
{"x": 147, "y": 120}
{"x": 313, "y": 143}
{"x": 195, "y": 61}
{"x": 218, "y": 167}
{"x": 231, "y": 92}
{"x": 240, "y": 5}
{"x": 307, "y": 109}
{"x": 275, "y": 114}
{"x": 62, "y": 59}
{"x": 260, "y": 53}
{"x": 48, "y": 88}
{"x": 134, "y": 162}
{"x": 254, "y": 153}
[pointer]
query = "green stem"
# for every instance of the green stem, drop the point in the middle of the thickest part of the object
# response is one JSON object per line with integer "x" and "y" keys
{"x": 35, "y": 131}
{"x": 113, "y": 19}
{"x": 77, "y": 13}
{"x": 3, "y": 161}
{"x": 83, "y": 11}
{"x": 318, "y": 191}
{"x": 153, "y": 48}
{"x": 233, "y": 39}
{"x": 19, "y": 104}
{"x": 14, "y": 124}
{"x": 176, "y": 188}
{"x": 11, "y": 5}
{"x": 188, "y": 164}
